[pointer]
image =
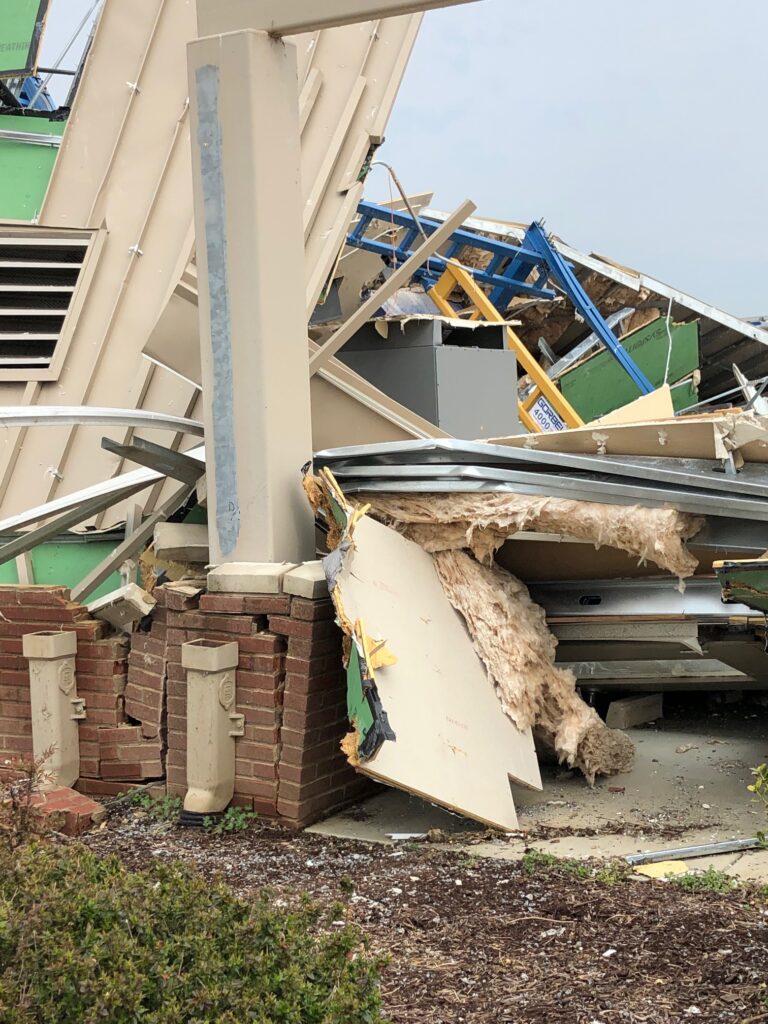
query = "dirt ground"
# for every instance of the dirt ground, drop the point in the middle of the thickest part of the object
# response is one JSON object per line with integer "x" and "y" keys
{"x": 482, "y": 940}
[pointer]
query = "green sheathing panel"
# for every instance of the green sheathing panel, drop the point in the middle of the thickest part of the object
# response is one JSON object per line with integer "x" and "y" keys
{"x": 684, "y": 395}
{"x": 600, "y": 385}
{"x": 25, "y": 169}
{"x": 67, "y": 564}
{"x": 21, "y": 31}
{"x": 745, "y": 583}
{"x": 358, "y": 708}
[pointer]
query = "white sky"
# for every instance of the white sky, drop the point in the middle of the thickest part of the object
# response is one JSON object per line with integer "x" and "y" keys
{"x": 636, "y": 129}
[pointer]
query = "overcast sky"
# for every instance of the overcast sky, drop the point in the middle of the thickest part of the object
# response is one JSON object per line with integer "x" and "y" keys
{"x": 637, "y": 130}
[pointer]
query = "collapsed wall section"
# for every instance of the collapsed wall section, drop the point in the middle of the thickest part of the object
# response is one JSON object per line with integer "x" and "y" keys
{"x": 291, "y": 688}
{"x": 101, "y": 667}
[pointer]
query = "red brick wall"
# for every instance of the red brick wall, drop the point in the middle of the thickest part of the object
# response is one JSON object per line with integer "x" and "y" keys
{"x": 290, "y": 688}
{"x": 101, "y": 667}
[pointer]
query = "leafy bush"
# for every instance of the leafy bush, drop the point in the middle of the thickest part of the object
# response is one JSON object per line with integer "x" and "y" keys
{"x": 84, "y": 939}
{"x": 760, "y": 788}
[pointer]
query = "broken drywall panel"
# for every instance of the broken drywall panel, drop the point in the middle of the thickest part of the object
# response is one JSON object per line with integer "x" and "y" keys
{"x": 688, "y": 437}
{"x": 182, "y": 542}
{"x": 655, "y": 406}
{"x": 483, "y": 522}
{"x": 123, "y": 607}
{"x": 454, "y": 745}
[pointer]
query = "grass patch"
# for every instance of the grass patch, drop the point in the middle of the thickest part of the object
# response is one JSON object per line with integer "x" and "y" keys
{"x": 161, "y": 808}
{"x": 711, "y": 880}
{"x": 534, "y": 861}
{"x": 234, "y": 819}
{"x": 85, "y": 939}
{"x": 610, "y": 873}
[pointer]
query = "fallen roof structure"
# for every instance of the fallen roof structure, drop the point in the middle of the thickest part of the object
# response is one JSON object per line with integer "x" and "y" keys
{"x": 725, "y": 339}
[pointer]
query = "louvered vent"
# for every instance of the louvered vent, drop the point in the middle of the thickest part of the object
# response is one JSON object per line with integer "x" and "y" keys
{"x": 38, "y": 277}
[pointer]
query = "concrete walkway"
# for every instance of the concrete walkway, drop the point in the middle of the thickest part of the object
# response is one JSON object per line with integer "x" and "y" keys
{"x": 690, "y": 776}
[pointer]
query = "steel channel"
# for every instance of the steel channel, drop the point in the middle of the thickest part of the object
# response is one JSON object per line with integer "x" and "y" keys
{"x": 704, "y": 474}
{"x": 605, "y": 598}
{"x": 473, "y": 478}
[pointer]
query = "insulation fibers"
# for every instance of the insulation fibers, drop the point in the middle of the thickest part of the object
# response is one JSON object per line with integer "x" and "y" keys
{"x": 511, "y": 638}
{"x": 482, "y": 522}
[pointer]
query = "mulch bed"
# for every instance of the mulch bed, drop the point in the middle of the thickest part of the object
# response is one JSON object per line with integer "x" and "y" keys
{"x": 481, "y": 940}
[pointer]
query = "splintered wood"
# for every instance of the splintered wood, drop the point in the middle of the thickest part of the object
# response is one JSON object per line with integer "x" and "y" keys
{"x": 483, "y": 522}
{"x": 510, "y": 635}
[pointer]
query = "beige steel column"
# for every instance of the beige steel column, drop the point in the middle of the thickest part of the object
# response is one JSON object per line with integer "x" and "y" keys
{"x": 250, "y": 259}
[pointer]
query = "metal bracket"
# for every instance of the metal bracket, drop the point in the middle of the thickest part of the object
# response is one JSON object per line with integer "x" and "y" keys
{"x": 78, "y": 709}
{"x": 174, "y": 464}
{"x": 238, "y": 725}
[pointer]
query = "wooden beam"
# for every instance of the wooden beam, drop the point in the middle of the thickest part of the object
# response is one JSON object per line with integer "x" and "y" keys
{"x": 291, "y": 17}
{"x": 400, "y": 277}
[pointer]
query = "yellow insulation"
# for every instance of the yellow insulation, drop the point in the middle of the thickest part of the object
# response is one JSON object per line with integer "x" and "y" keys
{"x": 511, "y": 638}
{"x": 483, "y": 522}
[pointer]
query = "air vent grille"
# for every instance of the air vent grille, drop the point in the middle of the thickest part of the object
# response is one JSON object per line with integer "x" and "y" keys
{"x": 38, "y": 278}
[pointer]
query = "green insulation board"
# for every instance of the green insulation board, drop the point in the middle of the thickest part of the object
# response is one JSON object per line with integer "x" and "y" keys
{"x": 599, "y": 384}
{"x": 744, "y": 583}
{"x": 66, "y": 564}
{"x": 21, "y": 31}
{"x": 25, "y": 169}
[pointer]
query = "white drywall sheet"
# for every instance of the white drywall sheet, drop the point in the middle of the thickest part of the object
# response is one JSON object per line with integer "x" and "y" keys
{"x": 455, "y": 746}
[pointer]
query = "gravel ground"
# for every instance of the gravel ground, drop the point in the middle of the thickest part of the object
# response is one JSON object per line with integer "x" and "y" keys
{"x": 482, "y": 940}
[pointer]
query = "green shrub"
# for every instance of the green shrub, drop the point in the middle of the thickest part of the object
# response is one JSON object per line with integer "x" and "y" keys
{"x": 83, "y": 939}
{"x": 760, "y": 788}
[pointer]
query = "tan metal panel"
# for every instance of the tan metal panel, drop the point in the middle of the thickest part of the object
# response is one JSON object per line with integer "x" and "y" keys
{"x": 125, "y": 165}
{"x": 143, "y": 195}
{"x": 124, "y": 35}
{"x": 286, "y": 17}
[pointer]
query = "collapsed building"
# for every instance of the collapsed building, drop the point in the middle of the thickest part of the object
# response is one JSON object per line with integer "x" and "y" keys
{"x": 526, "y": 466}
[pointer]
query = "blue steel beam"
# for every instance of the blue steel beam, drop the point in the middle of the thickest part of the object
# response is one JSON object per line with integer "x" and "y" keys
{"x": 536, "y": 239}
{"x": 502, "y": 252}
{"x": 507, "y": 274}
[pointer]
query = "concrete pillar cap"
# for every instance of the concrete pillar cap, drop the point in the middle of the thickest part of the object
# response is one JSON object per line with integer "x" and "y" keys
{"x": 49, "y": 644}
{"x": 210, "y": 655}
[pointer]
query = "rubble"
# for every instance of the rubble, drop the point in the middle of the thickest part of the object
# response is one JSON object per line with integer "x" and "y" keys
{"x": 528, "y": 479}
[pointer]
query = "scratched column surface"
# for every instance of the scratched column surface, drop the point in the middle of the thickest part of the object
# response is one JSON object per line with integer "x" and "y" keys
{"x": 253, "y": 334}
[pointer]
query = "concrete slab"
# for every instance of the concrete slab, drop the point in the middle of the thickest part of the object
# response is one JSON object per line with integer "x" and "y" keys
{"x": 123, "y": 607}
{"x": 307, "y": 580}
{"x": 182, "y": 542}
{"x": 249, "y": 577}
{"x": 629, "y": 712}
{"x": 689, "y": 778}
